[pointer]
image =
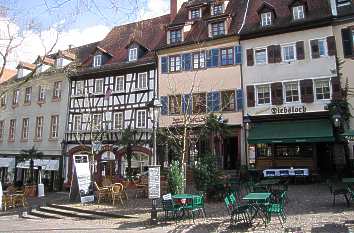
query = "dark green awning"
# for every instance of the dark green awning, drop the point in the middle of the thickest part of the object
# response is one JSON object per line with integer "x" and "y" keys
{"x": 297, "y": 131}
{"x": 348, "y": 135}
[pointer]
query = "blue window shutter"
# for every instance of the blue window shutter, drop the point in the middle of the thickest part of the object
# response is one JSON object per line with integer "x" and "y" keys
{"x": 186, "y": 61}
{"x": 239, "y": 100}
{"x": 186, "y": 99}
{"x": 164, "y": 65}
{"x": 208, "y": 58}
{"x": 210, "y": 102}
{"x": 216, "y": 98}
{"x": 164, "y": 103}
{"x": 214, "y": 57}
{"x": 238, "y": 55}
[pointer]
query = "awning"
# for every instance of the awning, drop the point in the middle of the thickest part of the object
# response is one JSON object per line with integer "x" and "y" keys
{"x": 7, "y": 162}
{"x": 48, "y": 165}
{"x": 348, "y": 135}
{"x": 319, "y": 130}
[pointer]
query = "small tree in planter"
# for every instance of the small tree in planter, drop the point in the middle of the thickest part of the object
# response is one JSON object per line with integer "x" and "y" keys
{"x": 175, "y": 178}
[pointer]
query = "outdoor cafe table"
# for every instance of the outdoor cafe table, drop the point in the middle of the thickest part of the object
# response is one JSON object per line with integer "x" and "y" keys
{"x": 183, "y": 200}
{"x": 257, "y": 201}
{"x": 348, "y": 180}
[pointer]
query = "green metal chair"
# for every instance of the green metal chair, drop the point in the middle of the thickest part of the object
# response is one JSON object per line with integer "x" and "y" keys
{"x": 351, "y": 193}
{"x": 237, "y": 212}
{"x": 277, "y": 208}
{"x": 169, "y": 207}
{"x": 196, "y": 206}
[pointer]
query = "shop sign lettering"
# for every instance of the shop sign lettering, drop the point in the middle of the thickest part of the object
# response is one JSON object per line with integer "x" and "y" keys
{"x": 288, "y": 110}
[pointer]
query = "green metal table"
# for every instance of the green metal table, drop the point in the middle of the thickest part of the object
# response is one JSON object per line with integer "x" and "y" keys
{"x": 348, "y": 180}
{"x": 186, "y": 203}
{"x": 258, "y": 201}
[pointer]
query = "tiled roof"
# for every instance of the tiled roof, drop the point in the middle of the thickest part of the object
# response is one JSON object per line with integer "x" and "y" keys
{"x": 26, "y": 65}
{"x": 7, "y": 74}
{"x": 147, "y": 33}
{"x": 346, "y": 10}
{"x": 199, "y": 30}
{"x": 315, "y": 11}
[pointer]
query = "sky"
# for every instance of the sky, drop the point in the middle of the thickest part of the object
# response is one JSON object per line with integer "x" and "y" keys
{"x": 37, "y": 22}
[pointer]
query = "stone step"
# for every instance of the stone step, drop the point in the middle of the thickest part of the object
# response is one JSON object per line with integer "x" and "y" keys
{"x": 37, "y": 214}
{"x": 67, "y": 213}
{"x": 86, "y": 211}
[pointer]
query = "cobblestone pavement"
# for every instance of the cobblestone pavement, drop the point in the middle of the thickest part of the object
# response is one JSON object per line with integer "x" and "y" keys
{"x": 309, "y": 209}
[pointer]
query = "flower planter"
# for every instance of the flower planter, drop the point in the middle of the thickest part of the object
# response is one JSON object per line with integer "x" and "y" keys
{"x": 31, "y": 190}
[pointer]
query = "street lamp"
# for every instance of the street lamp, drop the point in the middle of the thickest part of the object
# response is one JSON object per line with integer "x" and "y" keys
{"x": 154, "y": 107}
{"x": 246, "y": 121}
{"x": 337, "y": 120}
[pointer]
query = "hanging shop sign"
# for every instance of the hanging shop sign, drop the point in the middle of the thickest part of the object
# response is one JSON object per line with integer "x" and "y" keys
{"x": 288, "y": 110}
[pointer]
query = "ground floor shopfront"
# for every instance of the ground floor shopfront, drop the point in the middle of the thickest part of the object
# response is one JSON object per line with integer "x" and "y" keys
{"x": 284, "y": 143}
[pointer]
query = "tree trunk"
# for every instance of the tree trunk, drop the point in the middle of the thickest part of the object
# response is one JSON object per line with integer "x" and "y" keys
{"x": 129, "y": 161}
{"x": 31, "y": 171}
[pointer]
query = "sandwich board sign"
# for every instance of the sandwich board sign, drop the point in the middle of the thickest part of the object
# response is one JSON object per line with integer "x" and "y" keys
{"x": 154, "y": 182}
{"x": 81, "y": 179}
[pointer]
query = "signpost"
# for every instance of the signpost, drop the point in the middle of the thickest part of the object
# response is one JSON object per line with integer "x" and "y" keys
{"x": 154, "y": 189}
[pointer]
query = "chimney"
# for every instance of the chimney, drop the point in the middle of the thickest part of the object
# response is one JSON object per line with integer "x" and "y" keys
{"x": 175, "y": 5}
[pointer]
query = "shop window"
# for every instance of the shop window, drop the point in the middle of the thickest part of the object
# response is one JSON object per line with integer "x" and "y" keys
{"x": 263, "y": 94}
{"x": 293, "y": 150}
{"x": 263, "y": 150}
{"x": 199, "y": 103}
{"x": 322, "y": 88}
{"x": 291, "y": 91}
{"x": 175, "y": 104}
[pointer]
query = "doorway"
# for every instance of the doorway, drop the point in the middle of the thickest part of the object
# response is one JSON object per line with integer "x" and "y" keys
{"x": 325, "y": 158}
{"x": 230, "y": 157}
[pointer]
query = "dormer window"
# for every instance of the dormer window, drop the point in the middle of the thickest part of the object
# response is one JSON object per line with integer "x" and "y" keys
{"x": 217, "y": 9}
{"x": 133, "y": 54}
{"x": 59, "y": 62}
{"x": 343, "y": 3}
{"x": 266, "y": 19}
{"x": 195, "y": 13}
{"x": 298, "y": 12}
{"x": 175, "y": 36}
{"x": 97, "y": 60}
{"x": 218, "y": 28}
{"x": 20, "y": 73}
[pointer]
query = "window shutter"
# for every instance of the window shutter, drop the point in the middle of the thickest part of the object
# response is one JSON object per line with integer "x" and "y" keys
{"x": 238, "y": 55}
{"x": 214, "y": 57}
{"x": 239, "y": 100}
{"x": 186, "y": 103}
{"x": 164, "y": 103}
{"x": 306, "y": 87}
{"x": 210, "y": 102}
{"x": 300, "y": 50}
{"x": 186, "y": 61}
{"x": 347, "y": 42}
{"x": 164, "y": 65}
{"x": 331, "y": 45}
{"x": 336, "y": 88}
{"x": 277, "y": 93}
{"x": 277, "y": 54}
{"x": 250, "y": 60}
{"x": 208, "y": 58}
{"x": 315, "y": 49}
{"x": 250, "y": 96}
{"x": 271, "y": 55}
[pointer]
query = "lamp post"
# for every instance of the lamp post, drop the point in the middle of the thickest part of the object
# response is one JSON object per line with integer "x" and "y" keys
{"x": 337, "y": 120}
{"x": 154, "y": 108}
{"x": 246, "y": 122}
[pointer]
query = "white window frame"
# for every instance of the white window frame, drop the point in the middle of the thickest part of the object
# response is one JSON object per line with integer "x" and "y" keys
{"x": 216, "y": 6}
{"x": 54, "y": 126}
{"x": 329, "y": 86}
{"x": 39, "y": 127}
{"x": 140, "y": 123}
{"x": 118, "y": 80}
{"x": 12, "y": 130}
{"x": 27, "y": 99}
{"x": 298, "y": 91}
{"x": 176, "y": 39}
{"x": 96, "y": 126}
{"x": 97, "y": 81}
{"x": 118, "y": 120}
{"x": 266, "y": 56}
{"x": 2, "y": 129}
{"x": 41, "y": 93}
{"x": 298, "y": 12}
{"x": 270, "y": 94}
{"x": 195, "y": 10}
{"x": 218, "y": 27}
{"x": 81, "y": 89}
{"x": 266, "y": 19}
{"x": 16, "y": 97}
{"x": 325, "y": 47}
{"x": 198, "y": 60}
{"x": 25, "y": 129}
{"x": 142, "y": 85}
{"x": 97, "y": 60}
{"x": 3, "y": 100}
{"x": 283, "y": 53}
{"x": 172, "y": 63}
{"x": 57, "y": 89}
{"x": 77, "y": 123}
{"x": 133, "y": 54}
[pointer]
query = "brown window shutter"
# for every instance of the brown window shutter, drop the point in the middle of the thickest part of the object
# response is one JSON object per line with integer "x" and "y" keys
{"x": 306, "y": 87}
{"x": 315, "y": 50}
{"x": 277, "y": 93}
{"x": 277, "y": 53}
{"x": 271, "y": 55}
{"x": 336, "y": 88}
{"x": 250, "y": 60}
{"x": 300, "y": 50}
{"x": 347, "y": 42}
{"x": 331, "y": 45}
{"x": 250, "y": 96}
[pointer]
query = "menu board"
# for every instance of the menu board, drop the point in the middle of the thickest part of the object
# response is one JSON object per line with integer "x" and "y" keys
{"x": 154, "y": 182}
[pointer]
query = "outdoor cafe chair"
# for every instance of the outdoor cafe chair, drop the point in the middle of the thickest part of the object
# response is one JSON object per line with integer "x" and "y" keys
{"x": 6, "y": 201}
{"x": 237, "y": 213}
{"x": 101, "y": 193}
{"x": 169, "y": 207}
{"x": 277, "y": 208}
{"x": 337, "y": 189}
{"x": 117, "y": 193}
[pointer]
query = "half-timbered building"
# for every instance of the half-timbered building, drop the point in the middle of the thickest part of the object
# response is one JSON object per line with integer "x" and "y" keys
{"x": 110, "y": 94}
